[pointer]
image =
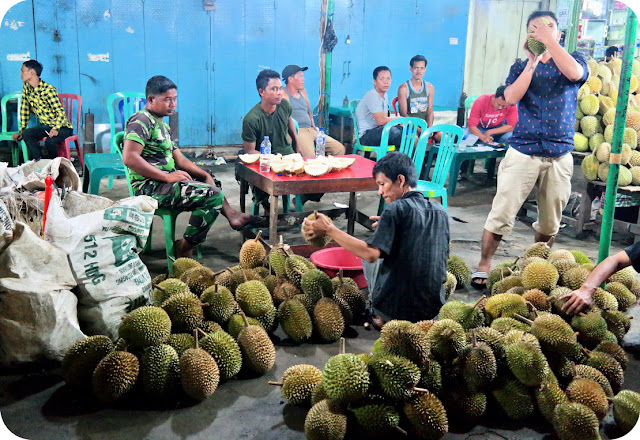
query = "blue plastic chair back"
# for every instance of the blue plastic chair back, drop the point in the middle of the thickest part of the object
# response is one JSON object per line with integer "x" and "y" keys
{"x": 127, "y": 104}
{"x": 408, "y": 144}
{"x": 451, "y": 137}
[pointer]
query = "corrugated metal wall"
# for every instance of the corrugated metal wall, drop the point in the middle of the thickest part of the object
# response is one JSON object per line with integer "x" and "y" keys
{"x": 97, "y": 47}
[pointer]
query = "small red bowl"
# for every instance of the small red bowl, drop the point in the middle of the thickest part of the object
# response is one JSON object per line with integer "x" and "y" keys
{"x": 331, "y": 260}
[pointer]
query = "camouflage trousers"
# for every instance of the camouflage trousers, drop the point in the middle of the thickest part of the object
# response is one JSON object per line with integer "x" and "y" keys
{"x": 203, "y": 200}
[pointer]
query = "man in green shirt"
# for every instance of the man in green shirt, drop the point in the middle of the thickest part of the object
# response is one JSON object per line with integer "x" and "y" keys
{"x": 270, "y": 117}
{"x": 158, "y": 169}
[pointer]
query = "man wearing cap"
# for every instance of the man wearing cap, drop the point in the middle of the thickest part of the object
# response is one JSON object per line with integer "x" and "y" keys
{"x": 293, "y": 77}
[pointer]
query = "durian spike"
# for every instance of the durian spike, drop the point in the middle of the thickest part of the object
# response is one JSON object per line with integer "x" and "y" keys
{"x": 343, "y": 349}
{"x": 279, "y": 384}
{"x": 523, "y": 319}
{"x": 400, "y": 430}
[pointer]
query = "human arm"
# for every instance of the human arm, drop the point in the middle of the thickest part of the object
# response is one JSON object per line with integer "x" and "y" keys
{"x": 132, "y": 158}
{"x": 303, "y": 92}
{"x": 250, "y": 147}
{"x": 249, "y": 137}
{"x": 581, "y": 299}
{"x": 563, "y": 59}
{"x": 402, "y": 100}
{"x": 430, "y": 109}
{"x": 323, "y": 226}
{"x": 520, "y": 77}
{"x": 56, "y": 107}
{"x": 499, "y": 130}
{"x": 291, "y": 127}
{"x": 184, "y": 164}
{"x": 382, "y": 118}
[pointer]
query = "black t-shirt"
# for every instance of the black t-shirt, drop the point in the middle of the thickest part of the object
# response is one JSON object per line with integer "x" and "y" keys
{"x": 413, "y": 238}
{"x": 633, "y": 252}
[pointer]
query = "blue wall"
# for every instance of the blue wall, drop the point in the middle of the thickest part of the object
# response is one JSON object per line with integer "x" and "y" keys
{"x": 214, "y": 56}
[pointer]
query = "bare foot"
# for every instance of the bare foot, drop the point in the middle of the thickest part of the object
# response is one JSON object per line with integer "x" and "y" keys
{"x": 182, "y": 248}
{"x": 241, "y": 220}
{"x": 377, "y": 322}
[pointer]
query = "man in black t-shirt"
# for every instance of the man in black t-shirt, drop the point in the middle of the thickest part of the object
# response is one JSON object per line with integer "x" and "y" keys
{"x": 411, "y": 240}
{"x": 581, "y": 299}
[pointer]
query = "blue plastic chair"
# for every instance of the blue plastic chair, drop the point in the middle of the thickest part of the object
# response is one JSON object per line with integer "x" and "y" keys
{"x": 357, "y": 146}
{"x": 5, "y": 134}
{"x": 168, "y": 216}
{"x": 451, "y": 137}
{"x": 99, "y": 165}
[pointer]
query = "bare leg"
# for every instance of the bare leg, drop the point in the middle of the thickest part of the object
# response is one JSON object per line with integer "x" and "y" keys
{"x": 236, "y": 219}
{"x": 549, "y": 239}
{"x": 490, "y": 242}
{"x": 183, "y": 248}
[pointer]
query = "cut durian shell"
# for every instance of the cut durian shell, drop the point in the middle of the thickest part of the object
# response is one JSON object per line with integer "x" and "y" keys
{"x": 340, "y": 163}
{"x": 278, "y": 167}
{"x": 316, "y": 168}
{"x": 249, "y": 158}
{"x": 295, "y": 167}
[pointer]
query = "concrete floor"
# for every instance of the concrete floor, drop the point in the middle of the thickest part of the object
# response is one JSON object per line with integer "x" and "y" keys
{"x": 35, "y": 404}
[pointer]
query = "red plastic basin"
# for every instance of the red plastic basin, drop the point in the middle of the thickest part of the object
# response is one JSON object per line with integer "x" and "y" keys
{"x": 331, "y": 260}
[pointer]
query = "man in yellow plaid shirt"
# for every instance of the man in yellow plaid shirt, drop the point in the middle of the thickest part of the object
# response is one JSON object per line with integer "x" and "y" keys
{"x": 41, "y": 98}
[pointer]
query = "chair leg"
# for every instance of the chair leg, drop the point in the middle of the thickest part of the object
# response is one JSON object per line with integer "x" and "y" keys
{"x": 444, "y": 201}
{"x": 110, "y": 182}
{"x": 299, "y": 203}
{"x": 80, "y": 155}
{"x": 147, "y": 245}
{"x": 15, "y": 155}
{"x": 94, "y": 185}
{"x": 285, "y": 204}
{"x": 169, "y": 224}
{"x": 255, "y": 210}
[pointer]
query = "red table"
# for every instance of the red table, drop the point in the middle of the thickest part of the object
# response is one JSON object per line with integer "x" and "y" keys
{"x": 353, "y": 179}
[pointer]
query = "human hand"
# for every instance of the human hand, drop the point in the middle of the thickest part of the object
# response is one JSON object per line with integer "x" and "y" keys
{"x": 177, "y": 176}
{"x": 375, "y": 219}
{"x": 16, "y": 136}
{"x": 577, "y": 301}
{"x": 542, "y": 32}
{"x": 486, "y": 138}
{"x": 53, "y": 133}
{"x": 316, "y": 228}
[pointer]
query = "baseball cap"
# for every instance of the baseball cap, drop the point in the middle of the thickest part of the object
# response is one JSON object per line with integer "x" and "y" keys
{"x": 292, "y": 69}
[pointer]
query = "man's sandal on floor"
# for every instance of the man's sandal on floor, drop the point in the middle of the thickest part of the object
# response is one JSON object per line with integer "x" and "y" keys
{"x": 479, "y": 275}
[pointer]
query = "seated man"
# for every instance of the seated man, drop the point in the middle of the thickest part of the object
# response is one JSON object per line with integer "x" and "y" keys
{"x": 415, "y": 96}
{"x": 372, "y": 113}
{"x": 301, "y": 111}
{"x": 611, "y": 53}
{"x": 41, "y": 98}
{"x": 491, "y": 118}
{"x": 159, "y": 170}
{"x": 409, "y": 280}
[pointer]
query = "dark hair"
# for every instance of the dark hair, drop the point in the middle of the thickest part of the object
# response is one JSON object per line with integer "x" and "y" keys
{"x": 263, "y": 78}
{"x": 500, "y": 91}
{"x": 417, "y": 58}
{"x": 33, "y": 64}
{"x": 157, "y": 85}
{"x": 378, "y": 70}
{"x": 538, "y": 14}
{"x": 611, "y": 50}
{"x": 393, "y": 164}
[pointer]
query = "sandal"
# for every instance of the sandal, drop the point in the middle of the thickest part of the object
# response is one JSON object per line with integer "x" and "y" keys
{"x": 479, "y": 275}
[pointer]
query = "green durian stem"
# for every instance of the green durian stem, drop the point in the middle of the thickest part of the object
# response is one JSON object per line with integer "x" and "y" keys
{"x": 195, "y": 336}
{"x": 523, "y": 319}
{"x": 258, "y": 236}
{"x": 173, "y": 260}
{"x": 278, "y": 384}
{"x": 477, "y": 303}
{"x": 400, "y": 430}
{"x": 340, "y": 276}
{"x": 421, "y": 390}
{"x": 244, "y": 274}
{"x": 155, "y": 286}
{"x": 244, "y": 318}
{"x": 343, "y": 346}
{"x": 201, "y": 331}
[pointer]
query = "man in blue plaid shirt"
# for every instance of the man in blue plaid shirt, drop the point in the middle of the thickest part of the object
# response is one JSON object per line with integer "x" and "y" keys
{"x": 41, "y": 98}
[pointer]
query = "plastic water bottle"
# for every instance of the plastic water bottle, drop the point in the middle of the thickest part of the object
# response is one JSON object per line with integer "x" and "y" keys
{"x": 265, "y": 155}
{"x": 320, "y": 142}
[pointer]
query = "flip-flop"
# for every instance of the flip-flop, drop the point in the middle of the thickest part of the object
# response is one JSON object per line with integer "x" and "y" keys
{"x": 480, "y": 275}
{"x": 254, "y": 222}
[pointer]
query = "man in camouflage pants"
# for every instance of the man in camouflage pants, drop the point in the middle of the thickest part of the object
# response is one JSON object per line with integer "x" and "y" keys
{"x": 158, "y": 169}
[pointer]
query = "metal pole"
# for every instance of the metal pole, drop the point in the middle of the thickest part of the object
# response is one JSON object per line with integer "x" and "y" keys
{"x": 571, "y": 39}
{"x": 618, "y": 136}
{"x": 327, "y": 74}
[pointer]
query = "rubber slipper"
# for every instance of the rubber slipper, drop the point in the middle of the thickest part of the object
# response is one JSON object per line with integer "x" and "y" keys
{"x": 479, "y": 275}
{"x": 254, "y": 222}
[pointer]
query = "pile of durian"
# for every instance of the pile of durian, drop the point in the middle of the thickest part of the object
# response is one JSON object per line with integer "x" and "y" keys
{"x": 595, "y": 115}
{"x": 512, "y": 356}
{"x": 203, "y": 328}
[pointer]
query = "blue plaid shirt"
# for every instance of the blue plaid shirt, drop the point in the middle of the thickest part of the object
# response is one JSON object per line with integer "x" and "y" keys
{"x": 547, "y": 111}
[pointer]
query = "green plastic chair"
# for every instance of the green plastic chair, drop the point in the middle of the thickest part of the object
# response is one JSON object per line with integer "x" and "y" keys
{"x": 467, "y": 106}
{"x": 99, "y": 165}
{"x": 451, "y": 137}
{"x": 5, "y": 134}
{"x": 168, "y": 216}
{"x": 357, "y": 146}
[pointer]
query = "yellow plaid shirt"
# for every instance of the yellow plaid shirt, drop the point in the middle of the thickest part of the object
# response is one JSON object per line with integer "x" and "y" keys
{"x": 43, "y": 101}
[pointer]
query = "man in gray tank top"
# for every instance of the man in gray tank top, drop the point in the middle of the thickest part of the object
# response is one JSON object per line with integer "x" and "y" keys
{"x": 293, "y": 76}
{"x": 415, "y": 96}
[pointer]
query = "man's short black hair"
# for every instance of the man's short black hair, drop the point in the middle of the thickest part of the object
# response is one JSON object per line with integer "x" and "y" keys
{"x": 393, "y": 164}
{"x": 611, "y": 51}
{"x": 500, "y": 91}
{"x": 417, "y": 58}
{"x": 378, "y": 70}
{"x": 33, "y": 64}
{"x": 538, "y": 14}
{"x": 157, "y": 85}
{"x": 263, "y": 78}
